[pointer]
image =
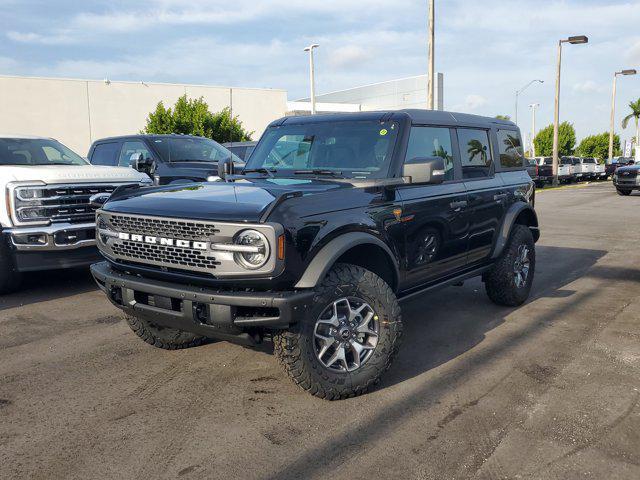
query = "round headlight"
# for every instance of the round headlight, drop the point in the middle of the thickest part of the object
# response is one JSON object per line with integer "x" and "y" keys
{"x": 257, "y": 251}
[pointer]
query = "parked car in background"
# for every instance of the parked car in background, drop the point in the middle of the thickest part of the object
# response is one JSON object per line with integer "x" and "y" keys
{"x": 600, "y": 170}
{"x": 545, "y": 170}
{"x": 589, "y": 168}
{"x": 241, "y": 149}
{"x": 626, "y": 179}
{"x": 46, "y": 221}
{"x": 532, "y": 170}
{"x": 167, "y": 159}
{"x": 578, "y": 170}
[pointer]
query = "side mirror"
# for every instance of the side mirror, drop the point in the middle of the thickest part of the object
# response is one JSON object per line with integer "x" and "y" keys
{"x": 99, "y": 199}
{"x": 142, "y": 164}
{"x": 225, "y": 167}
{"x": 424, "y": 170}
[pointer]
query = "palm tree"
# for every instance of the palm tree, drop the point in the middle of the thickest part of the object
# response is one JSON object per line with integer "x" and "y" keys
{"x": 635, "y": 114}
{"x": 476, "y": 148}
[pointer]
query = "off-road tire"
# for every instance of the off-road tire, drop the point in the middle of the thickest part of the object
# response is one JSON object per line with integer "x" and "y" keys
{"x": 10, "y": 278}
{"x": 295, "y": 347}
{"x": 622, "y": 192}
{"x": 162, "y": 337}
{"x": 499, "y": 281}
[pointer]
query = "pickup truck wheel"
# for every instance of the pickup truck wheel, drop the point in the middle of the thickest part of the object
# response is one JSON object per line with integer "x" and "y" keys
{"x": 509, "y": 280}
{"x": 161, "y": 337}
{"x": 348, "y": 339}
{"x": 623, "y": 192}
{"x": 10, "y": 278}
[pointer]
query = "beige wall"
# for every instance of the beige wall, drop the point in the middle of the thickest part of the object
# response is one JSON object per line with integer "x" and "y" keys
{"x": 77, "y": 112}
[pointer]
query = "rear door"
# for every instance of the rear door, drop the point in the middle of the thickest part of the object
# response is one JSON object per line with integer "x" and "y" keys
{"x": 434, "y": 216}
{"x": 486, "y": 193}
{"x": 105, "y": 153}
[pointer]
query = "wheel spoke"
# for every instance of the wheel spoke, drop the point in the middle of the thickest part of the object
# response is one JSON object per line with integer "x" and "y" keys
{"x": 337, "y": 355}
{"x": 326, "y": 342}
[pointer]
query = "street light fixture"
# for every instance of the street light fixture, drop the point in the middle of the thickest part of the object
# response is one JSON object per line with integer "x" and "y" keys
{"x": 575, "y": 40}
{"x": 533, "y": 107}
{"x": 518, "y": 92}
{"x": 312, "y": 79}
{"x": 613, "y": 107}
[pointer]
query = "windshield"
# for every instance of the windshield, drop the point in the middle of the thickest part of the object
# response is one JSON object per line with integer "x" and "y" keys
{"x": 192, "y": 149}
{"x": 358, "y": 149}
{"x": 21, "y": 151}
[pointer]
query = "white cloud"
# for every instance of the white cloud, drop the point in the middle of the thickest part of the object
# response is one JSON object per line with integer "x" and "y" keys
{"x": 31, "y": 37}
{"x": 349, "y": 56}
{"x": 588, "y": 86}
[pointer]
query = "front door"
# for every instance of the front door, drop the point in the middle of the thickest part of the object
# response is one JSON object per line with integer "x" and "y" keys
{"x": 434, "y": 216}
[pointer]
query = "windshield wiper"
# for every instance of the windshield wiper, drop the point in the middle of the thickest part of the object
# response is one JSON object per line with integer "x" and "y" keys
{"x": 266, "y": 171}
{"x": 317, "y": 171}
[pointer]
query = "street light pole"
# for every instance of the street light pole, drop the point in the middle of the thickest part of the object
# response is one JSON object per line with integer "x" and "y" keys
{"x": 312, "y": 78}
{"x": 556, "y": 111}
{"x": 518, "y": 92}
{"x": 533, "y": 107}
{"x": 613, "y": 107}
{"x": 430, "y": 79}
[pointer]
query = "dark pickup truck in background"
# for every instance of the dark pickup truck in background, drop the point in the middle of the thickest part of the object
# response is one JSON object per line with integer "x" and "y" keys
{"x": 167, "y": 159}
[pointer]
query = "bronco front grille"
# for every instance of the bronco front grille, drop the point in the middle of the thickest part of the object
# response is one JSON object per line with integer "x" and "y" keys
{"x": 176, "y": 244}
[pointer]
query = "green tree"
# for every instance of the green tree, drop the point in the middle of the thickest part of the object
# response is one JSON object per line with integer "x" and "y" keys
{"x": 192, "y": 117}
{"x": 503, "y": 117}
{"x": 635, "y": 114}
{"x": 566, "y": 140}
{"x": 597, "y": 146}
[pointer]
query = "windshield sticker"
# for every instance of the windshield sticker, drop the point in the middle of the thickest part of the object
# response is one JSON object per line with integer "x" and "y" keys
{"x": 383, "y": 132}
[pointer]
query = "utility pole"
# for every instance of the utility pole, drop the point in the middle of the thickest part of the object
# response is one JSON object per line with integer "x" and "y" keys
{"x": 613, "y": 107}
{"x": 431, "y": 80}
{"x": 312, "y": 79}
{"x": 556, "y": 110}
{"x": 533, "y": 107}
{"x": 518, "y": 92}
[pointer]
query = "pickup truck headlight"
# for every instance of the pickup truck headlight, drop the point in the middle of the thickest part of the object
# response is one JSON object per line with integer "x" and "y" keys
{"x": 254, "y": 249}
{"x": 28, "y": 207}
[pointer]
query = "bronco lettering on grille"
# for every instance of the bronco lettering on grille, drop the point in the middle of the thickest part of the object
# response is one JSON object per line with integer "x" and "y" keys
{"x": 169, "y": 242}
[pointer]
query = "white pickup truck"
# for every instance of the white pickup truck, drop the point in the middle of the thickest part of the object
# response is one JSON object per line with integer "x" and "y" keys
{"x": 545, "y": 170}
{"x": 46, "y": 221}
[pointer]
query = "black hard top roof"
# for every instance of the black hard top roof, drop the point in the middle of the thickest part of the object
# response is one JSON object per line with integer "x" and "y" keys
{"x": 417, "y": 116}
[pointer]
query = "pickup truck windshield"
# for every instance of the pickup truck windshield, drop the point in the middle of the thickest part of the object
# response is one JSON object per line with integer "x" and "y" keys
{"x": 192, "y": 149}
{"x": 352, "y": 149}
{"x": 22, "y": 151}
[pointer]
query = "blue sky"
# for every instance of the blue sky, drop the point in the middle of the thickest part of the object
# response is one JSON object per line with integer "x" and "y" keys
{"x": 486, "y": 48}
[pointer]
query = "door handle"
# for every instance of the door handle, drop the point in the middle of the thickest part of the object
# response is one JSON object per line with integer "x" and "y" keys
{"x": 457, "y": 206}
{"x": 499, "y": 196}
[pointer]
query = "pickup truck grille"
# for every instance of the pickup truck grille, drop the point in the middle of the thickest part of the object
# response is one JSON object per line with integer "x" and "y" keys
{"x": 165, "y": 256}
{"x": 184, "y": 230}
{"x": 627, "y": 174}
{"x": 62, "y": 203}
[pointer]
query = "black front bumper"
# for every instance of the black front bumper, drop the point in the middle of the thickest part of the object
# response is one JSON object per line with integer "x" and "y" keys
{"x": 53, "y": 259}
{"x": 227, "y": 315}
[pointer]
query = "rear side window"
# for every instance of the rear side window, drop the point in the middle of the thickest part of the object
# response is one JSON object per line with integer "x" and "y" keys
{"x": 432, "y": 142}
{"x": 475, "y": 153}
{"x": 510, "y": 147}
{"x": 105, "y": 154}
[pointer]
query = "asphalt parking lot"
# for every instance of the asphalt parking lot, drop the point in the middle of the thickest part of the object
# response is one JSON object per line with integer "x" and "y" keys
{"x": 548, "y": 390}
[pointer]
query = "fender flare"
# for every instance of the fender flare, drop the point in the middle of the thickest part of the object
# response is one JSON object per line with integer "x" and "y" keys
{"x": 327, "y": 256}
{"x": 507, "y": 225}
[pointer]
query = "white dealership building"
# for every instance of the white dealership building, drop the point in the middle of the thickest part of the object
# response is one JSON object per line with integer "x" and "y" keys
{"x": 77, "y": 112}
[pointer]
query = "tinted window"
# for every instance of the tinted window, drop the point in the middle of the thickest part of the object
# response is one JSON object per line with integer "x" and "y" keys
{"x": 510, "y": 146}
{"x": 105, "y": 154}
{"x": 475, "y": 153}
{"x": 589, "y": 160}
{"x": 191, "y": 149}
{"x": 131, "y": 152}
{"x": 432, "y": 142}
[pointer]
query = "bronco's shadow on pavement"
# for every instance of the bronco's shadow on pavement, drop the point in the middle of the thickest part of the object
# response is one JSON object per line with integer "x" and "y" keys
{"x": 49, "y": 285}
{"x": 445, "y": 324}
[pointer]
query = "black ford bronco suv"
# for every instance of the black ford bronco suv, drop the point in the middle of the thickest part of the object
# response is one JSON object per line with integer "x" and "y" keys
{"x": 334, "y": 220}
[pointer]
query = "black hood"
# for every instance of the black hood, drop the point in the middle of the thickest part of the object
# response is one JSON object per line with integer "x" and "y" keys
{"x": 240, "y": 201}
{"x": 628, "y": 168}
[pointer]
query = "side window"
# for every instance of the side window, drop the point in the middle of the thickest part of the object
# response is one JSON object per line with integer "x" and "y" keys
{"x": 432, "y": 142}
{"x": 510, "y": 146}
{"x": 131, "y": 151}
{"x": 105, "y": 154}
{"x": 475, "y": 153}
